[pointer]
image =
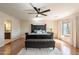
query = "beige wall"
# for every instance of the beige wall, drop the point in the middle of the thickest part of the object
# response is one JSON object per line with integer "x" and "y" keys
{"x": 59, "y": 30}
{"x": 72, "y": 39}
{"x": 77, "y": 31}
{"x": 26, "y": 25}
{"x": 15, "y": 26}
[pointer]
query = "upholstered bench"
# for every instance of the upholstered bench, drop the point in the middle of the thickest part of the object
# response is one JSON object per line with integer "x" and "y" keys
{"x": 40, "y": 43}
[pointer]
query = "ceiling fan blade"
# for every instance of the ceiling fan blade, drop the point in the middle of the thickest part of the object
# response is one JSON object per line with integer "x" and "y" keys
{"x": 31, "y": 4}
{"x": 43, "y": 14}
{"x": 34, "y": 8}
{"x": 32, "y": 13}
{"x": 45, "y": 11}
{"x": 29, "y": 10}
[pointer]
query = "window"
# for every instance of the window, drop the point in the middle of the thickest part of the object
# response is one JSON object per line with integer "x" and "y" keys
{"x": 66, "y": 28}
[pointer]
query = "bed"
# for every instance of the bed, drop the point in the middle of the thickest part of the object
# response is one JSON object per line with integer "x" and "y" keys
{"x": 39, "y": 38}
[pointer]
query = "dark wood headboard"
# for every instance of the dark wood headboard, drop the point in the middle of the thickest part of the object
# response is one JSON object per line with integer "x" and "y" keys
{"x": 37, "y": 27}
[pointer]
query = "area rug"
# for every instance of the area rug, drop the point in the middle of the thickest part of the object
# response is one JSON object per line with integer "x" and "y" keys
{"x": 42, "y": 51}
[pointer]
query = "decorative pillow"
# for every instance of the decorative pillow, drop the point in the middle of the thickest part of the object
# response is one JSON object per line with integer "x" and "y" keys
{"x": 35, "y": 31}
{"x": 39, "y": 31}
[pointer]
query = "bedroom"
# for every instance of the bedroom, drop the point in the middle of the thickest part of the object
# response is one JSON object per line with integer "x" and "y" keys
{"x": 21, "y": 17}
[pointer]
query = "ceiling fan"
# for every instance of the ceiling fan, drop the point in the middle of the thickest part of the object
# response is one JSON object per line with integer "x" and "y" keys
{"x": 38, "y": 12}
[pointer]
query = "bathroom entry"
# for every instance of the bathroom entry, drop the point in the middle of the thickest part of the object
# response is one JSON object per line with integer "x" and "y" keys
{"x": 8, "y": 29}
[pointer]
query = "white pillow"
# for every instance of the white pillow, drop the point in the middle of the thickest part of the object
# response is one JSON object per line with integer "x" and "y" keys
{"x": 39, "y": 31}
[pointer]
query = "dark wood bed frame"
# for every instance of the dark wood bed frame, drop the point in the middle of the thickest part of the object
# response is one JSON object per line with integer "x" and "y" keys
{"x": 32, "y": 41}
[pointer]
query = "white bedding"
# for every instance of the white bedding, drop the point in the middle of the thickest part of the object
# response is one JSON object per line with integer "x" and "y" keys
{"x": 39, "y": 34}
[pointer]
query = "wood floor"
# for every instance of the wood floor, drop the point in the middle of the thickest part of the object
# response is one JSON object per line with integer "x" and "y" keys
{"x": 66, "y": 49}
{"x": 14, "y": 47}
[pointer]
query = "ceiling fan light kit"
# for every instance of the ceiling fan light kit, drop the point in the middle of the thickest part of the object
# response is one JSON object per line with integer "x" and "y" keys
{"x": 37, "y": 19}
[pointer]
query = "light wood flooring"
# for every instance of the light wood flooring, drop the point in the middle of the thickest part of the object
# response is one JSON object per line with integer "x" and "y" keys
{"x": 13, "y": 47}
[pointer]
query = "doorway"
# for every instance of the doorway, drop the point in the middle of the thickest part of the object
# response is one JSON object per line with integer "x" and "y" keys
{"x": 8, "y": 29}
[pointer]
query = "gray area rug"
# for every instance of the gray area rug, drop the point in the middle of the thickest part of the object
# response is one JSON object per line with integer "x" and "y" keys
{"x": 42, "y": 51}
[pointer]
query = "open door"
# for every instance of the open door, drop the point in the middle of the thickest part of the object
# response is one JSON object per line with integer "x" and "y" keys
{"x": 8, "y": 29}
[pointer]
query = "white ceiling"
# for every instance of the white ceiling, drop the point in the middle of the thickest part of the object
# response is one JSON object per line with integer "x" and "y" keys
{"x": 58, "y": 10}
